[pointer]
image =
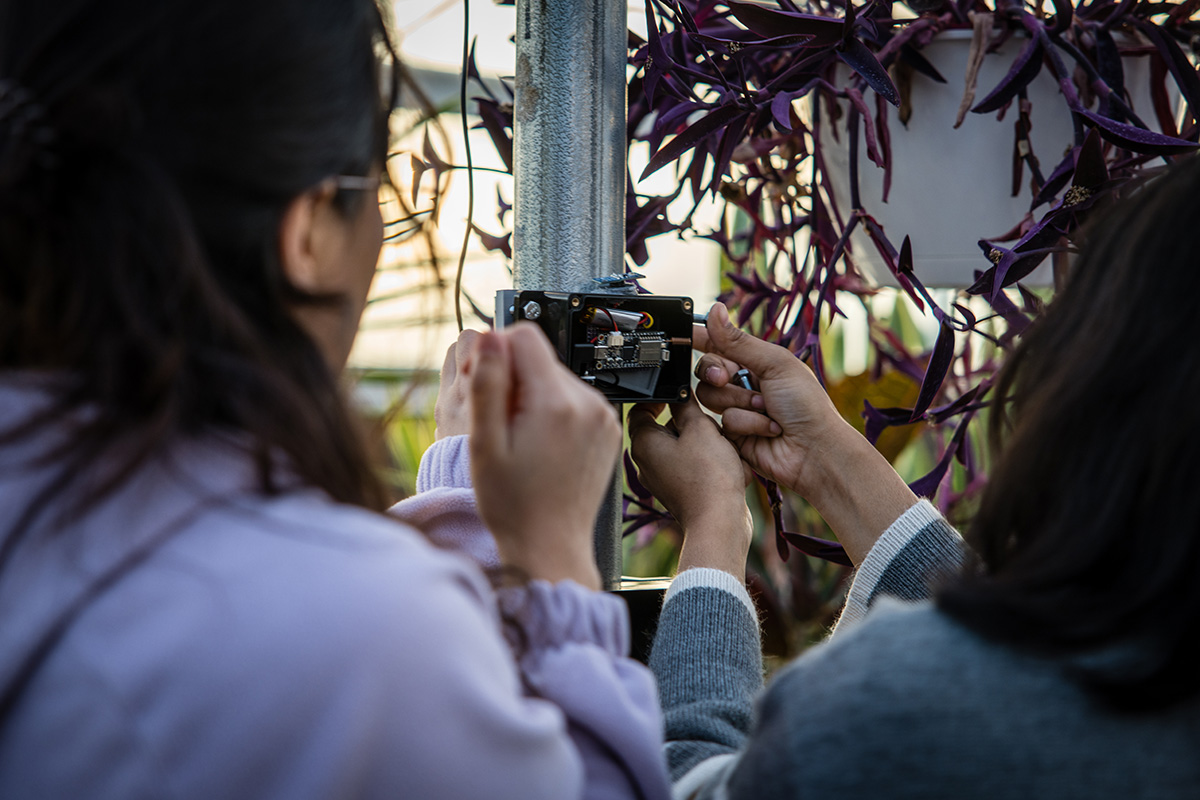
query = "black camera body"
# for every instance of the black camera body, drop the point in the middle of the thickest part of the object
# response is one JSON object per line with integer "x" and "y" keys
{"x": 635, "y": 348}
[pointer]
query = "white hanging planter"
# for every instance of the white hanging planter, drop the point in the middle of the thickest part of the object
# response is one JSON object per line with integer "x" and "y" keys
{"x": 952, "y": 187}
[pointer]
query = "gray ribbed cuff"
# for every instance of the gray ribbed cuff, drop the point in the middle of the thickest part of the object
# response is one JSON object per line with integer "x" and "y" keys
{"x": 715, "y": 579}
{"x": 886, "y": 548}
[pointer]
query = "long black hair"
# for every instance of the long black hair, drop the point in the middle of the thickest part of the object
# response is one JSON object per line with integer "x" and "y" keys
{"x": 147, "y": 154}
{"x": 1089, "y": 530}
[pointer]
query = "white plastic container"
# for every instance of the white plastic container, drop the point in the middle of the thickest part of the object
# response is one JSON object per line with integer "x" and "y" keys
{"x": 951, "y": 188}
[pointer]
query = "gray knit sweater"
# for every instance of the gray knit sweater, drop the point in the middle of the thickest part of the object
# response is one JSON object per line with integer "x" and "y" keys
{"x": 900, "y": 703}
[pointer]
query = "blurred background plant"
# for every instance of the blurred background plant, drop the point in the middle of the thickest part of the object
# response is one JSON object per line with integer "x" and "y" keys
{"x": 726, "y": 147}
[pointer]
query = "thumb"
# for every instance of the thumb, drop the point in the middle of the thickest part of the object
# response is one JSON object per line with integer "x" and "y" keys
{"x": 726, "y": 339}
{"x": 643, "y": 416}
{"x": 687, "y": 414}
{"x": 535, "y": 365}
{"x": 491, "y": 390}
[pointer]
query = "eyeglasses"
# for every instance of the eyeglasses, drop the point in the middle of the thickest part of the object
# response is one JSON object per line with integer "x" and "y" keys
{"x": 356, "y": 183}
{"x": 398, "y": 221}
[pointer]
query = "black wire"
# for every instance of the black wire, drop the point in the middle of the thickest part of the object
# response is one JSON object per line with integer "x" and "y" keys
{"x": 462, "y": 99}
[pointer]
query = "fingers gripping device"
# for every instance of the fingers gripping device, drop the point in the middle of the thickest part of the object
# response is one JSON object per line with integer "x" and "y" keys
{"x": 635, "y": 348}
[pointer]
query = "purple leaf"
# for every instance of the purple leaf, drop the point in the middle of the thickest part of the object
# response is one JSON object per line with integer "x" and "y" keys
{"x": 1017, "y": 322}
{"x": 880, "y": 419}
{"x": 964, "y": 403}
{"x": 669, "y": 121}
{"x": 745, "y": 41}
{"x": 911, "y": 56}
{"x": 885, "y": 143}
{"x": 1059, "y": 178}
{"x": 695, "y": 170}
{"x": 968, "y": 317}
{"x": 748, "y": 306}
{"x": 928, "y": 485}
{"x": 473, "y": 74}
{"x": 703, "y": 127}
{"x": 645, "y": 525}
{"x": 418, "y": 168}
{"x": 1111, "y": 70}
{"x": 939, "y": 364}
{"x": 503, "y": 205}
{"x": 1185, "y": 74}
{"x": 770, "y": 23}
{"x": 431, "y": 157}
{"x": 856, "y": 100}
{"x": 494, "y": 243}
{"x": 1163, "y": 107}
{"x": 863, "y": 61}
{"x": 1026, "y": 254}
{"x": 659, "y": 62}
{"x": 817, "y": 548}
{"x": 1137, "y": 140}
{"x": 904, "y": 264}
{"x": 781, "y": 546}
{"x": 479, "y": 313}
{"x": 744, "y": 283}
{"x": 631, "y": 477}
{"x": 781, "y": 108}
{"x": 884, "y": 246}
{"x": 496, "y": 124}
{"x": 730, "y": 138}
{"x": 1032, "y": 303}
{"x": 1090, "y": 169}
{"x": 1024, "y": 69}
{"x": 685, "y": 17}
{"x": 1012, "y": 267}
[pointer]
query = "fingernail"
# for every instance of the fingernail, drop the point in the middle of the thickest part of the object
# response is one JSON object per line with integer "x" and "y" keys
{"x": 757, "y": 402}
{"x": 723, "y": 315}
{"x": 712, "y": 374}
{"x": 775, "y": 429}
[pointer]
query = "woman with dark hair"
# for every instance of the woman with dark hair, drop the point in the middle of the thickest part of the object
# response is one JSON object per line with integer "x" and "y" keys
{"x": 1061, "y": 661}
{"x": 198, "y": 594}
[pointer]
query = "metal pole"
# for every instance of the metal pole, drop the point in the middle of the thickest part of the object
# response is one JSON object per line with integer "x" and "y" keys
{"x": 569, "y": 169}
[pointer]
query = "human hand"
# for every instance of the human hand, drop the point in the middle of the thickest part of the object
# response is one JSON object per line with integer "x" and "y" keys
{"x": 701, "y": 480}
{"x": 790, "y": 432}
{"x": 452, "y": 412}
{"x": 782, "y": 429}
{"x": 543, "y": 449}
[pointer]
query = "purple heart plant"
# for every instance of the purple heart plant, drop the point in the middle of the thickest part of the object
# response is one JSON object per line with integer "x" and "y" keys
{"x": 729, "y": 96}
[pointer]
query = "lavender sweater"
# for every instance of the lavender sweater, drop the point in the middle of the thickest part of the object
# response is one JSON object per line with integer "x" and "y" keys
{"x": 199, "y": 640}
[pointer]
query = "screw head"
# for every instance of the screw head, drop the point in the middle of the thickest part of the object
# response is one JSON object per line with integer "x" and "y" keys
{"x": 531, "y": 310}
{"x": 684, "y": 394}
{"x": 687, "y": 305}
{"x": 575, "y": 301}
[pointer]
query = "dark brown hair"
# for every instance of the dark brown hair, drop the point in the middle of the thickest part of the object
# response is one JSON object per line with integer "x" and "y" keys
{"x": 141, "y": 190}
{"x": 1089, "y": 530}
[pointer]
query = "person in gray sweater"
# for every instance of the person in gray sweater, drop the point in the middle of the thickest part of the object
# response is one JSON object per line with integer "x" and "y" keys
{"x": 1058, "y": 662}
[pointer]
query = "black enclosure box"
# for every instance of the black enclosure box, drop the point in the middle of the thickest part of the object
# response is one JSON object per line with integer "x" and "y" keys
{"x": 634, "y": 348}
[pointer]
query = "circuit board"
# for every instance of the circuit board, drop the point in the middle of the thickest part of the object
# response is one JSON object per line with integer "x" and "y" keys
{"x": 631, "y": 347}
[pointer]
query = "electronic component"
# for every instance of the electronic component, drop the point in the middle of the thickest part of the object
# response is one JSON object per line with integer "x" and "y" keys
{"x": 632, "y": 347}
{"x": 614, "y": 319}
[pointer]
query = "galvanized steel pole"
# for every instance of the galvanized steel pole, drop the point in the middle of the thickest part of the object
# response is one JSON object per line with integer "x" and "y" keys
{"x": 569, "y": 168}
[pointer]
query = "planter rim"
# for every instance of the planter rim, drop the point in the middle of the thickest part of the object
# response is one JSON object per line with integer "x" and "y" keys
{"x": 1122, "y": 37}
